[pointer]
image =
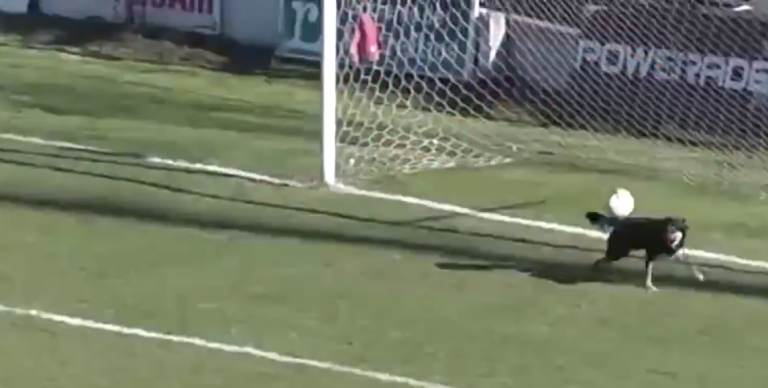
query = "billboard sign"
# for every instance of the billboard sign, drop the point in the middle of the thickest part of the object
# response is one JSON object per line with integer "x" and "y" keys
{"x": 424, "y": 37}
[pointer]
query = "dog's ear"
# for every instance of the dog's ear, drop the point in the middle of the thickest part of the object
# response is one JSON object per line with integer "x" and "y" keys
{"x": 677, "y": 223}
{"x": 682, "y": 223}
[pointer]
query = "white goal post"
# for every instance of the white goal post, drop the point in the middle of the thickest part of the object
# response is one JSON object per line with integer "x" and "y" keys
{"x": 585, "y": 77}
{"x": 329, "y": 66}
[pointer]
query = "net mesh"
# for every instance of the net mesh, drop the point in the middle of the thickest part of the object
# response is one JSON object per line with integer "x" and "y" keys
{"x": 676, "y": 90}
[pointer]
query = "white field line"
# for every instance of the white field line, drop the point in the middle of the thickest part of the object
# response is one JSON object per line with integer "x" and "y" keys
{"x": 172, "y": 163}
{"x": 531, "y": 223}
{"x": 226, "y": 348}
{"x": 236, "y": 173}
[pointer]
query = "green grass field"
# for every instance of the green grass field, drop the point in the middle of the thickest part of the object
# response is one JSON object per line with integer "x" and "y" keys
{"x": 305, "y": 272}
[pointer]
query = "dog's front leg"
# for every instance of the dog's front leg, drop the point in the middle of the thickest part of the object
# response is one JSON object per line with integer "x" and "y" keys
{"x": 649, "y": 276}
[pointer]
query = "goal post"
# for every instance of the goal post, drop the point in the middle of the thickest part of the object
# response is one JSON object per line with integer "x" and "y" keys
{"x": 497, "y": 88}
{"x": 329, "y": 66}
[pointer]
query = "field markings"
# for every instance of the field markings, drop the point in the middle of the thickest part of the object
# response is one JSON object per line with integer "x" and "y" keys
{"x": 340, "y": 188}
{"x": 551, "y": 226}
{"x": 156, "y": 160}
{"x": 222, "y": 347}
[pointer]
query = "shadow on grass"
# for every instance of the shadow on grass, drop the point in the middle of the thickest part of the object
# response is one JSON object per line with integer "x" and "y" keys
{"x": 565, "y": 269}
{"x": 727, "y": 280}
{"x": 408, "y": 224}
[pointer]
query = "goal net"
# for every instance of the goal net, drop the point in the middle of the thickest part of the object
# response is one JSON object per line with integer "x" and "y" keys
{"x": 675, "y": 91}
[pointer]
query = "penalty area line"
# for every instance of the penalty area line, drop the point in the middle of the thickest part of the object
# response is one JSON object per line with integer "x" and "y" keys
{"x": 222, "y": 347}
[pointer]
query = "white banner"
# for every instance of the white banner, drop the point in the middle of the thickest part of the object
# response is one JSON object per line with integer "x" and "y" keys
{"x": 203, "y": 16}
{"x": 111, "y": 11}
{"x": 14, "y": 6}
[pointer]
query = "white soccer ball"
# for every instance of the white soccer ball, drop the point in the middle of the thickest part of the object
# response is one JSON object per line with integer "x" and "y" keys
{"x": 621, "y": 203}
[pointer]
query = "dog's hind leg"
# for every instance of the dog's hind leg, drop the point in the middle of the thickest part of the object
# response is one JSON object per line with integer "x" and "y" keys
{"x": 597, "y": 268}
{"x": 599, "y": 264}
{"x": 615, "y": 251}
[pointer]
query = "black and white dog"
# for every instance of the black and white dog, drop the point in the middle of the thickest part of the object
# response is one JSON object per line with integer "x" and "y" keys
{"x": 658, "y": 237}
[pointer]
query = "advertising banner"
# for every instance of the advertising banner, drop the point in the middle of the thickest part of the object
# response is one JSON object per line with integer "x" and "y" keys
{"x": 203, "y": 16}
{"x": 670, "y": 71}
{"x": 423, "y": 37}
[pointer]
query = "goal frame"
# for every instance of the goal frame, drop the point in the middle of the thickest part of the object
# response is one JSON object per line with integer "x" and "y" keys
{"x": 329, "y": 80}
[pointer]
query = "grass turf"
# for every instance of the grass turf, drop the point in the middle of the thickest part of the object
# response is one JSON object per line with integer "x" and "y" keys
{"x": 375, "y": 285}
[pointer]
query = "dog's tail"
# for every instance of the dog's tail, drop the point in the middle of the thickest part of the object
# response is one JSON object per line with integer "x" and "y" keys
{"x": 601, "y": 221}
{"x": 595, "y": 218}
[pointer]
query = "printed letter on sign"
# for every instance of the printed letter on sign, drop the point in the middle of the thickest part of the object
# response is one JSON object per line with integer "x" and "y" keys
{"x": 589, "y": 51}
{"x": 639, "y": 61}
{"x": 189, "y": 15}
{"x": 731, "y": 80}
{"x": 181, "y": 5}
{"x": 612, "y": 58}
{"x": 692, "y": 66}
{"x": 302, "y": 27}
{"x": 758, "y": 77}
{"x": 667, "y": 65}
{"x": 712, "y": 68}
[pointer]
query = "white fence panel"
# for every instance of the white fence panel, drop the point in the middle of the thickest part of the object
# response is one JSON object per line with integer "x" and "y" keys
{"x": 110, "y": 10}
{"x": 254, "y": 22}
{"x": 14, "y": 6}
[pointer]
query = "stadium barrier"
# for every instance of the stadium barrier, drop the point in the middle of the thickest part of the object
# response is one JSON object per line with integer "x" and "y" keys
{"x": 636, "y": 69}
{"x": 699, "y": 75}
